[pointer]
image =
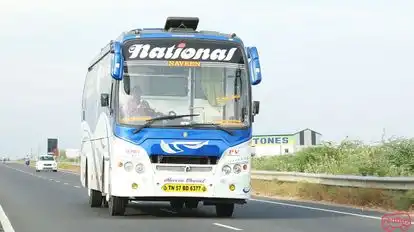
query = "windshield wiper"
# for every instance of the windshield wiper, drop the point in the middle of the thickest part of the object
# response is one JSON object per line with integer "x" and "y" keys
{"x": 215, "y": 125}
{"x": 169, "y": 117}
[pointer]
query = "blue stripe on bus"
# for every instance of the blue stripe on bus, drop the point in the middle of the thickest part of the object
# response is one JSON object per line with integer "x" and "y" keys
{"x": 151, "y": 138}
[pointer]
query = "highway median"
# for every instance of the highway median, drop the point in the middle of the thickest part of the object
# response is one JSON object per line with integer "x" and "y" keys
{"x": 69, "y": 167}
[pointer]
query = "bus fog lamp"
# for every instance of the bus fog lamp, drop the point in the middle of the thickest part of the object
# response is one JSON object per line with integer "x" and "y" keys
{"x": 128, "y": 166}
{"x": 237, "y": 168}
{"x": 226, "y": 169}
{"x": 139, "y": 168}
{"x": 232, "y": 187}
{"x": 134, "y": 186}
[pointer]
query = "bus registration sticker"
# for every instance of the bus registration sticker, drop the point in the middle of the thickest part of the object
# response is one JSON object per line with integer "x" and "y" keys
{"x": 199, "y": 188}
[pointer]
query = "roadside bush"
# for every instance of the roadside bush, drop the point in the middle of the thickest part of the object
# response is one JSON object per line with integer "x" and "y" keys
{"x": 391, "y": 158}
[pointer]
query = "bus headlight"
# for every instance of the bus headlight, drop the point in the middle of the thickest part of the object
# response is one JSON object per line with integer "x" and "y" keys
{"x": 139, "y": 168}
{"x": 237, "y": 168}
{"x": 128, "y": 166}
{"x": 226, "y": 169}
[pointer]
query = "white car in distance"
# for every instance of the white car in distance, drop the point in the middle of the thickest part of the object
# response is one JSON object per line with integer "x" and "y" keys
{"x": 46, "y": 163}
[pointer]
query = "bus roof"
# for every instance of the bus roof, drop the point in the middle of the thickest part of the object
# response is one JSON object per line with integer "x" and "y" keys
{"x": 170, "y": 30}
{"x": 177, "y": 27}
{"x": 179, "y": 33}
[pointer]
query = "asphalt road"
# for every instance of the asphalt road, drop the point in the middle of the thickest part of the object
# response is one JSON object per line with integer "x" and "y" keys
{"x": 55, "y": 202}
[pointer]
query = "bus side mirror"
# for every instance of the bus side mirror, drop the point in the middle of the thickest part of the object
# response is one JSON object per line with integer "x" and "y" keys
{"x": 104, "y": 99}
{"x": 256, "y": 107}
{"x": 117, "y": 64}
{"x": 254, "y": 65}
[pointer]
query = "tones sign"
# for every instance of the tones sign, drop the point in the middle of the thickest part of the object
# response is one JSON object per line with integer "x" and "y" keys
{"x": 269, "y": 140}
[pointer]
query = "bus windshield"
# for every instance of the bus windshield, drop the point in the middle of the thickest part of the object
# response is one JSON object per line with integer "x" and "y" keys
{"x": 217, "y": 92}
{"x": 164, "y": 77}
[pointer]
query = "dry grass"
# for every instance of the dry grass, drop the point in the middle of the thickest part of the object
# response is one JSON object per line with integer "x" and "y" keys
{"x": 360, "y": 197}
{"x": 390, "y": 158}
{"x": 69, "y": 167}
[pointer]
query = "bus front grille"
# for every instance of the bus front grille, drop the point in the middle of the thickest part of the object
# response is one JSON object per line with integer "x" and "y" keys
{"x": 183, "y": 168}
{"x": 200, "y": 160}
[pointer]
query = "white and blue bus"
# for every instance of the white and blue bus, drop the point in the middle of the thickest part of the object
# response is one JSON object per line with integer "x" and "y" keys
{"x": 167, "y": 115}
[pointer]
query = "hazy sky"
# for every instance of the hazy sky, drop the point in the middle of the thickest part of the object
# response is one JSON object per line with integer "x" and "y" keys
{"x": 342, "y": 68}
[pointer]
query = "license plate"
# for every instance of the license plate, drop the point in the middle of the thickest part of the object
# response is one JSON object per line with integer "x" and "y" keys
{"x": 198, "y": 188}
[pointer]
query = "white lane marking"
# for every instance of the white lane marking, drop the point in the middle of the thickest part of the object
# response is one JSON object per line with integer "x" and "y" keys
{"x": 64, "y": 171}
{"x": 226, "y": 226}
{"x": 318, "y": 209}
{"x": 22, "y": 171}
{"x": 5, "y": 222}
{"x": 168, "y": 211}
{"x": 41, "y": 177}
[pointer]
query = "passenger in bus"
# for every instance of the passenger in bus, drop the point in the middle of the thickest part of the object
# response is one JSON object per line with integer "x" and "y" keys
{"x": 136, "y": 106}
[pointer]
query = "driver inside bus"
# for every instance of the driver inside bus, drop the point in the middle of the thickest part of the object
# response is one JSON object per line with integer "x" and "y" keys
{"x": 136, "y": 106}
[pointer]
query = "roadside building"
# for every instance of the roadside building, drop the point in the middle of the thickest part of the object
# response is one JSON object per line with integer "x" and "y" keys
{"x": 277, "y": 144}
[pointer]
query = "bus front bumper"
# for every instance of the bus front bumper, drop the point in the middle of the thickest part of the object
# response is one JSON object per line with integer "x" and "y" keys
{"x": 165, "y": 186}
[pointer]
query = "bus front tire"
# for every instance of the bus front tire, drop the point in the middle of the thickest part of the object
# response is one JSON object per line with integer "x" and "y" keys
{"x": 95, "y": 198}
{"x": 117, "y": 206}
{"x": 224, "y": 210}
